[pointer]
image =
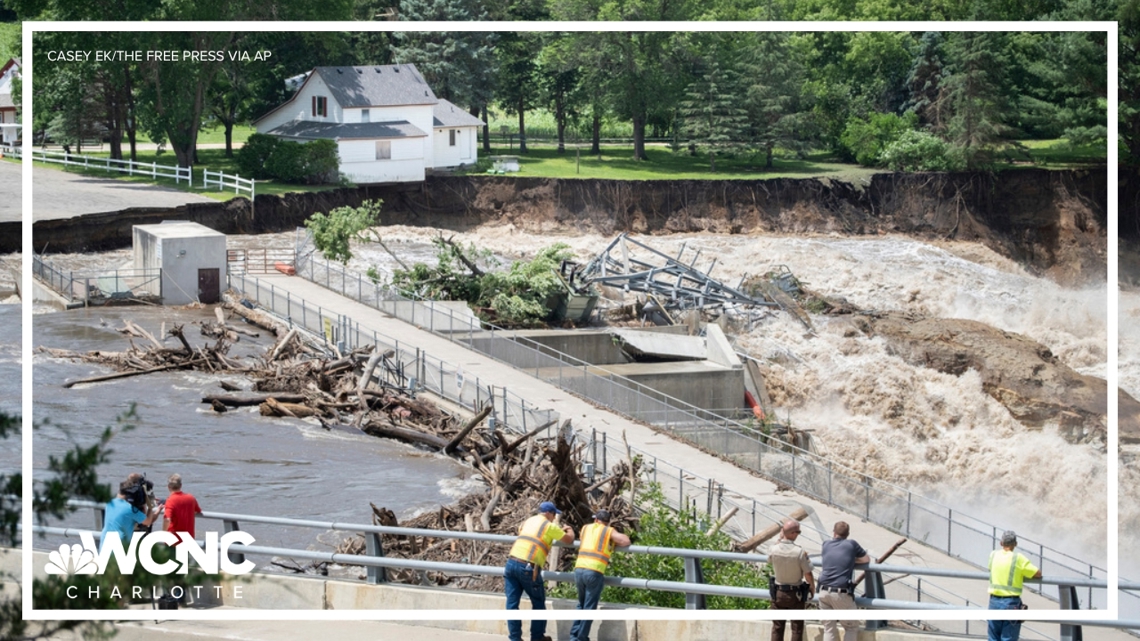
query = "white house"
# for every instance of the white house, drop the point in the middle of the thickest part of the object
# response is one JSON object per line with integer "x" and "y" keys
{"x": 387, "y": 122}
{"x": 9, "y": 125}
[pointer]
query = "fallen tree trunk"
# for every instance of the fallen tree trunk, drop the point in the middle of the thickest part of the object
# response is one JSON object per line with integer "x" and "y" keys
{"x": 769, "y": 532}
{"x": 259, "y": 318}
{"x": 271, "y": 407}
{"x": 246, "y": 400}
{"x": 111, "y": 377}
{"x": 450, "y": 447}
{"x": 404, "y": 434}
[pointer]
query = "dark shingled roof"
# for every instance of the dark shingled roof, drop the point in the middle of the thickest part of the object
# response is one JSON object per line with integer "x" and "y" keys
{"x": 352, "y": 130}
{"x": 446, "y": 114}
{"x": 377, "y": 86}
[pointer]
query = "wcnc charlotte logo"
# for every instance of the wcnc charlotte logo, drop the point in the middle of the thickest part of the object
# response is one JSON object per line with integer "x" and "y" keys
{"x": 88, "y": 558}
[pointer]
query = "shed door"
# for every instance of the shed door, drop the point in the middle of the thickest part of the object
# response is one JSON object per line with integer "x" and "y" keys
{"x": 208, "y": 285}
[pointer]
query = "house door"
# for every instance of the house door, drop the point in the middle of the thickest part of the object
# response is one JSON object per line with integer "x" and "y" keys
{"x": 208, "y": 285}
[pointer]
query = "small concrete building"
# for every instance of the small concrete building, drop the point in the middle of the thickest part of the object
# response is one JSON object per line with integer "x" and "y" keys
{"x": 192, "y": 258}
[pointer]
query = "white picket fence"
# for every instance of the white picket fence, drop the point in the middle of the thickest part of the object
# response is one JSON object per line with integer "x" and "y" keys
{"x": 222, "y": 180}
{"x": 129, "y": 167}
{"x": 225, "y": 182}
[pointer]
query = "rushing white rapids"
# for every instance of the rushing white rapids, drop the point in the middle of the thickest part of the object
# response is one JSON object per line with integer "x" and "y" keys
{"x": 937, "y": 434}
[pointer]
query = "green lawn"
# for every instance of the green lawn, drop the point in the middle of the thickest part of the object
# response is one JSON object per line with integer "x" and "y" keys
{"x": 1059, "y": 154}
{"x": 209, "y": 134}
{"x": 617, "y": 163}
{"x": 213, "y": 159}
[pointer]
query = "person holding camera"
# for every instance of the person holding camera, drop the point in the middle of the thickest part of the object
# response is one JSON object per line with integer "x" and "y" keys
{"x": 792, "y": 583}
{"x": 125, "y": 511}
{"x": 1008, "y": 570}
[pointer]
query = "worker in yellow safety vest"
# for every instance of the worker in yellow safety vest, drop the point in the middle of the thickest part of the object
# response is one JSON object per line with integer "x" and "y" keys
{"x": 597, "y": 545}
{"x": 523, "y": 571}
{"x": 1008, "y": 569}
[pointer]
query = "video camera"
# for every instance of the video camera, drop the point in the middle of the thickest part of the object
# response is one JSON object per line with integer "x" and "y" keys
{"x": 138, "y": 493}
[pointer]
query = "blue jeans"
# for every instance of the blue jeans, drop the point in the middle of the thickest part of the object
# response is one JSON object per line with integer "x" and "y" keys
{"x": 590, "y": 584}
{"x": 519, "y": 579}
{"x": 1004, "y": 630}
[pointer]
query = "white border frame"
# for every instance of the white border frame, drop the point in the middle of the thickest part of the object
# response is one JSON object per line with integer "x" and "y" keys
{"x": 1111, "y": 612}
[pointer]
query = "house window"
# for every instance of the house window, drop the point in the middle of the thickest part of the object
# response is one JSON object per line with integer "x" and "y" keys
{"x": 383, "y": 150}
{"x": 453, "y": 135}
{"x": 365, "y": 116}
{"x": 320, "y": 106}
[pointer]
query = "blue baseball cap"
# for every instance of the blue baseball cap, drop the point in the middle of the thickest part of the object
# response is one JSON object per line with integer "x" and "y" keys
{"x": 547, "y": 506}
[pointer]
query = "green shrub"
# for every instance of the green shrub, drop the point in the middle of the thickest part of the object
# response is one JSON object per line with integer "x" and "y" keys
{"x": 287, "y": 162}
{"x": 322, "y": 162}
{"x": 922, "y": 151}
{"x": 252, "y": 156}
{"x": 661, "y": 525}
{"x": 865, "y": 139}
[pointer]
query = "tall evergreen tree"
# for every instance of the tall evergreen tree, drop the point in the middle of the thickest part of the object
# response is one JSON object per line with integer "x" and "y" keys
{"x": 775, "y": 110}
{"x": 927, "y": 97}
{"x": 976, "y": 93}
{"x": 712, "y": 111}
{"x": 458, "y": 65}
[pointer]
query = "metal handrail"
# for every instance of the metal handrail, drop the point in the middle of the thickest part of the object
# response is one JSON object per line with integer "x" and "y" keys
{"x": 743, "y": 431}
{"x": 234, "y": 519}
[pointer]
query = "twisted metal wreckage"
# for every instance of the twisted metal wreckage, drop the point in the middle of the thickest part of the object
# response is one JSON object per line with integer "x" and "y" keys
{"x": 672, "y": 286}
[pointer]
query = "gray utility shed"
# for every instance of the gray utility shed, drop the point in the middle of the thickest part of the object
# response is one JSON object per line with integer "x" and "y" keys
{"x": 192, "y": 258}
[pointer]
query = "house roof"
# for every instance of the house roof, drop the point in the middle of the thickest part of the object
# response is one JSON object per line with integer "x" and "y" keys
{"x": 377, "y": 85}
{"x": 10, "y": 63}
{"x": 308, "y": 130}
{"x": 445, "y": 114}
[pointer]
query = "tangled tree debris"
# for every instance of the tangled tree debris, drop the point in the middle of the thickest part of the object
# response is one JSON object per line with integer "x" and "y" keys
{"x": 366, "y": 391}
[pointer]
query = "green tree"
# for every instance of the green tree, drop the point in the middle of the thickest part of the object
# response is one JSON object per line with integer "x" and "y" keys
{"x": 459, "y": 66}
{"x": 561, "y": 87}
{"x": 713, "y": 115}
{"x": 334, "y": 232}
{"x": 1129, "y": 60}
{"x": 773, "y": 98}
{"x": 926, "y": 93}
{"x": 976, "y": 94}
{"x": 518, "y": 81}
{"x": 865, "y": 139}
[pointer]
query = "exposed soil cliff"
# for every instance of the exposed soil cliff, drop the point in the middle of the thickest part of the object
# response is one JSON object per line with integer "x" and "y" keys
{"x": 1054, "y": 222}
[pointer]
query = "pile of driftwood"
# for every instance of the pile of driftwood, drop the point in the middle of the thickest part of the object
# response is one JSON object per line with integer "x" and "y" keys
{"x": 366, "y": 391}
{"x": 518, "y": 479}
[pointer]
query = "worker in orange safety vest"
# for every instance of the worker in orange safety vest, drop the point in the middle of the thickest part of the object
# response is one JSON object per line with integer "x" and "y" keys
{"x": 594, "y": 552}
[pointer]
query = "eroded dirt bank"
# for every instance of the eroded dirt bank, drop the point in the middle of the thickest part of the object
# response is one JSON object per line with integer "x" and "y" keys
{"x": 1053, "y": 222}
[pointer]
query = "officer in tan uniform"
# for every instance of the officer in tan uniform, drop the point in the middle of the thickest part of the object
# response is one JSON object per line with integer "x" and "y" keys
{"x": 794, "y": 584}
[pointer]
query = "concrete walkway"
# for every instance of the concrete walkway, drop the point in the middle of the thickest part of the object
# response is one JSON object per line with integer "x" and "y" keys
{"x": 587, "y": 415}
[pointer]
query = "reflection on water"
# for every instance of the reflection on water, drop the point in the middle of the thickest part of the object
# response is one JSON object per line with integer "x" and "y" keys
{"x": 238, "y": 461}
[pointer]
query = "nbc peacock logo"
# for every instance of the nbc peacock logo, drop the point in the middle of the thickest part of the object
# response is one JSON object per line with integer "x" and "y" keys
{"x": 70, "y": 560}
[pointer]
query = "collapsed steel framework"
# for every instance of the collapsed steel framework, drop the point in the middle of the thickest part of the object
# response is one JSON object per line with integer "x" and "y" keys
{"x": 671, "y": 283}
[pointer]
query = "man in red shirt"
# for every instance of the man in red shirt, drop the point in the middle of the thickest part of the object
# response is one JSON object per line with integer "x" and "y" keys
{"x": 180, "y": 508}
